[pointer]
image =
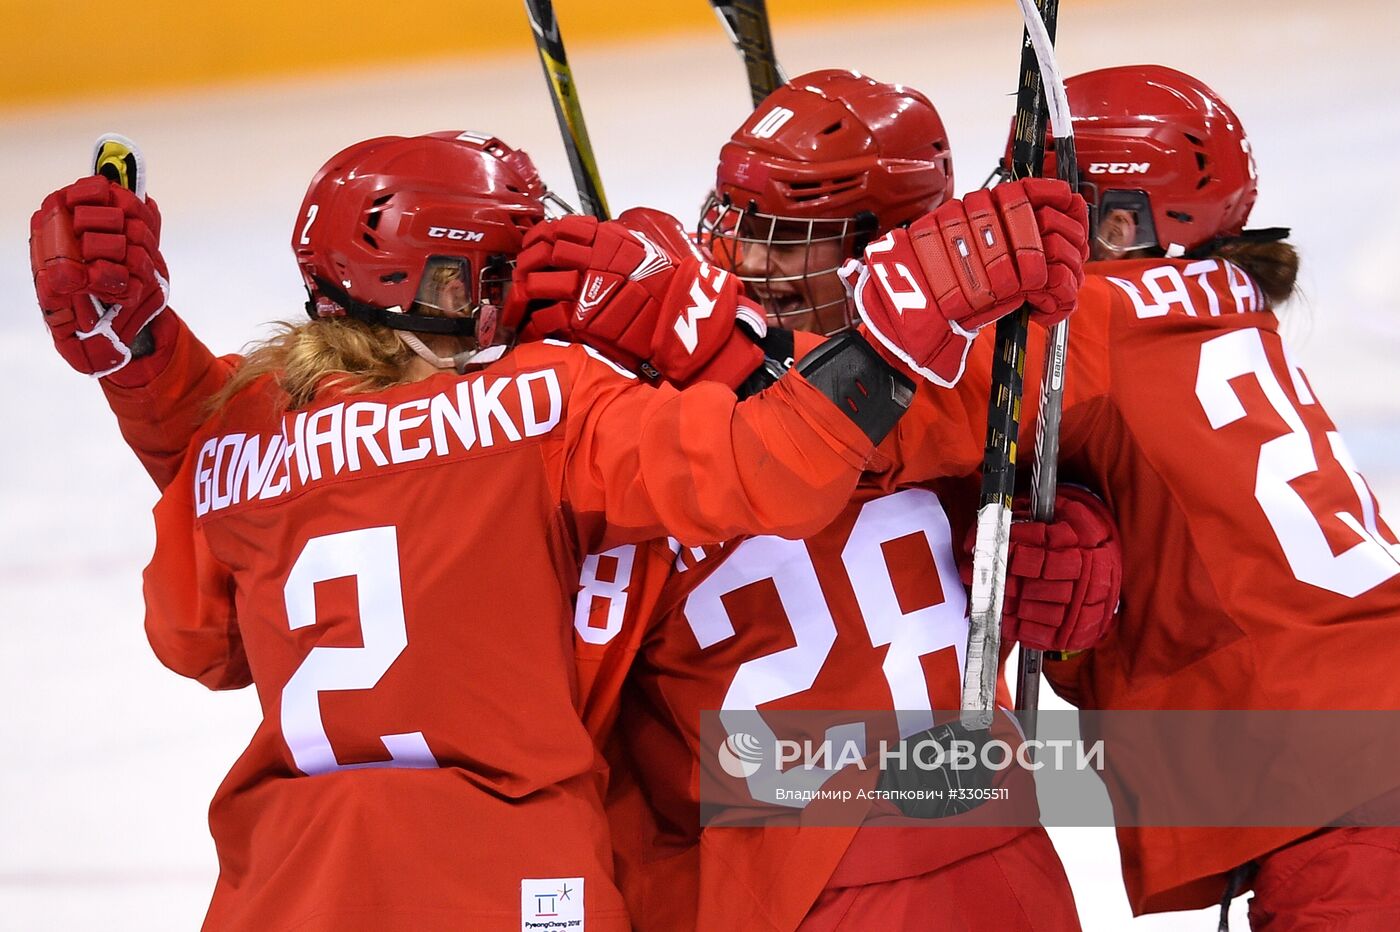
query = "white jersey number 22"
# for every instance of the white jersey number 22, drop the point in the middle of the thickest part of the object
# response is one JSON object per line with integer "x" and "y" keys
{"x": 1366, "y": 564}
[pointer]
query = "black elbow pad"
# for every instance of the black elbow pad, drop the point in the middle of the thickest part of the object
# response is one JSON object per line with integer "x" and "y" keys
{"x": 868, "y": 390}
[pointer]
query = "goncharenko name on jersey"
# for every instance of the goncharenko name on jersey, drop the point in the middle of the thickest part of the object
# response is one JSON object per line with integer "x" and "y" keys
{"x": 352, "y": 436}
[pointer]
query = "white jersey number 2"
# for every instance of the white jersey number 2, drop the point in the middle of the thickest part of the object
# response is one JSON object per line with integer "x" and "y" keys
{"x": 1366, "y": 564}
{"x": 371, "y": 556}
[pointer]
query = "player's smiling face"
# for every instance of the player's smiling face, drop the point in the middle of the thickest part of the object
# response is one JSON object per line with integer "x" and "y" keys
{"x": 792, "y": 273}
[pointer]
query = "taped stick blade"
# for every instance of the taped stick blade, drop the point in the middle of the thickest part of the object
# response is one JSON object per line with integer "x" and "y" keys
{"x": 982, "y": 665}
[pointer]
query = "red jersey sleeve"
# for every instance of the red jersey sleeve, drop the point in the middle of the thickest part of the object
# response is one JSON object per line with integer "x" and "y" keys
{"x": 1087, "y": 381}
{"x": 940, "y": 436}
{"x": 190, "y": 618}
{"x": 158, "y": 419}
{"x": 700, "y": 465}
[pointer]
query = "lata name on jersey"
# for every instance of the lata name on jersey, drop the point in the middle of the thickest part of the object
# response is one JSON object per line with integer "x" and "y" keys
{"x": 1194, "y": 290}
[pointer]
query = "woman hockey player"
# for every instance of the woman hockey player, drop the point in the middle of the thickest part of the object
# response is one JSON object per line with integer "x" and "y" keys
{"x": 391, "y": 785}
{"x": 869, "y": 613}
{"x": 1250, "y": 540}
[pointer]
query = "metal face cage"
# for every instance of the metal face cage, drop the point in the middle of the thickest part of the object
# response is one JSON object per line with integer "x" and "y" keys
{"x": 773, "y": 256}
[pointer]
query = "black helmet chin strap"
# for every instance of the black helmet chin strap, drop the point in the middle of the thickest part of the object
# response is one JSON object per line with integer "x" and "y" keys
{"x": 393, "y": 319}
{"x": 866, "y": 226}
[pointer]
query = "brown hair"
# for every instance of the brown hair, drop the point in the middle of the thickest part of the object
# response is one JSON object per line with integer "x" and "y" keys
{"x": 364, "y": 357}
{"x": 1273, "y": 264}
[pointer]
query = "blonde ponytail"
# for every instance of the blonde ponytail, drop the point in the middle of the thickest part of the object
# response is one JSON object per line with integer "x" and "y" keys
{"x": 361, "y": 357}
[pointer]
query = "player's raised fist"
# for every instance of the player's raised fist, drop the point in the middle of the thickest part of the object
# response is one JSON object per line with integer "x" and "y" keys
{"x": 923, "y": 293}
{"x": 638, "y": 291}
{"x": 94, "y": 249}
{"x": 1063, "y": 577}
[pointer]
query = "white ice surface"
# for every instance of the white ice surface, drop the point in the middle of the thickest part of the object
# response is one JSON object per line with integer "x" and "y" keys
{"x": 109, "y": 760}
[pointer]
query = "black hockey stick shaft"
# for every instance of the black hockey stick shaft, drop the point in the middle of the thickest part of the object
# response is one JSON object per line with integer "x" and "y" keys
{"x": 1047, "y": 443}
{"x": 746, "y": 22}
{"x": 563, "y": 93}
{"x": 117, "y": 159}
{"x": 983, "y": 660}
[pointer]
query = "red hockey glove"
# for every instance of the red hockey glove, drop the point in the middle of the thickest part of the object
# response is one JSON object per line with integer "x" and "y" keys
{"x": 641, "y": 297}
{"x": 736, "y": 353}
{"x": 94, "y": 249}
{"x": 924, "y": 293}
{"x": 1063, "y": 578}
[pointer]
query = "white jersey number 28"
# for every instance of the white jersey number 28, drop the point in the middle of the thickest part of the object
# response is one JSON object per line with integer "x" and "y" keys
{"x": 909, "y": 635}
{"x": 1372, "y": 559}
{"x": 371, "y": 555}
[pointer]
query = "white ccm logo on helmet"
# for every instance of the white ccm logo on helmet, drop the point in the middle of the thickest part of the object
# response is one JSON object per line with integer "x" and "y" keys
{"x": 470, "y": 236}
{"x": 1119, "y": 168}
{"x": 772, "y": 121}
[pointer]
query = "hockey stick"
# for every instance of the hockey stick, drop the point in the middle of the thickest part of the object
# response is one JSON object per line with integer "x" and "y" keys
{"x": 746, "y": 22}
{"x": 1052, "y": 384}
{"x": 983, "y": 660}
{"x": 564, "y": 95}
{"x": 117, "y": 159}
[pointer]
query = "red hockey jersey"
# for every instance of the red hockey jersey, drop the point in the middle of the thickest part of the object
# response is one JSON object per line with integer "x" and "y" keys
{"x": 1259, "y": 573}
{"x": 868, "y": 614}
{"x": 394, "y": 572}
{"x": 768, "y": 877}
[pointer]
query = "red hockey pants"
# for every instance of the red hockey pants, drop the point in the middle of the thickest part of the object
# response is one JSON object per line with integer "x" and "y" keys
{"x": 1018, "y": 886}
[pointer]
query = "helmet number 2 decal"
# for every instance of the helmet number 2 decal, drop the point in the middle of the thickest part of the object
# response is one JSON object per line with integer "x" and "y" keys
{"x": 311, "y": 212}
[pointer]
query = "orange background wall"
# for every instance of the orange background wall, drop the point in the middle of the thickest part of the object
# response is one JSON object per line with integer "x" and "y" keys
{"x": 54, "y": 50}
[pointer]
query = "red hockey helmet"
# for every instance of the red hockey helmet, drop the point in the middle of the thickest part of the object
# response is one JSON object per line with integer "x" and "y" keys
{"x": 830, "y": 157}
{"x": 1164, "y": 146}
{"x": 833, "y": 144}
{"x": 394, "y": 223}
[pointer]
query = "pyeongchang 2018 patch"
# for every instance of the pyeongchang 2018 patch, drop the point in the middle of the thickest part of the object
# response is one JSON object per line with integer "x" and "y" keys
{"x": 551, "y": 904}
